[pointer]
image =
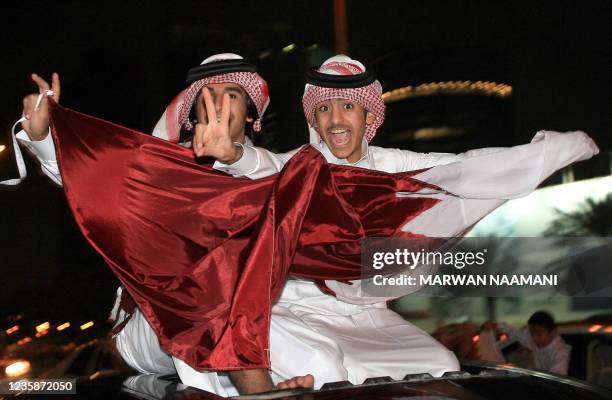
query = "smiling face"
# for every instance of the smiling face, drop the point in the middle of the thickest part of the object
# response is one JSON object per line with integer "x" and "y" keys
{"x": 341, "y": 124}
{"x": 238, "y": 107}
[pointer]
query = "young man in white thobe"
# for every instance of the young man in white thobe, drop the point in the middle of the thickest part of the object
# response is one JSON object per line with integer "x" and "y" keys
{"x": 550, "y": 352}
{"x": 354, "y": 336}
{"x": 220, "y": 78}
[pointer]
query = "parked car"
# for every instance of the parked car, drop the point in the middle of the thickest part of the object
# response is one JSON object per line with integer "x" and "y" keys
{"x": 95, "y": 358}
{"x": 101, "y": 374}
{"x": 478, "y": 380}
{"x": 591, "y": 354}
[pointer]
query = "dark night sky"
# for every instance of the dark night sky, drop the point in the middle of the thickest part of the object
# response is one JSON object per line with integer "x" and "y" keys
{"x": 124, "y": 61}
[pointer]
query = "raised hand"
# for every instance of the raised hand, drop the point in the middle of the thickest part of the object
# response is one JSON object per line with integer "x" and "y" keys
{"x": 36, "y": 122}
{"x": 212, "y": 137}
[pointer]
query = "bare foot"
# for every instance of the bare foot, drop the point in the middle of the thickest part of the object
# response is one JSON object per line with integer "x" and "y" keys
{"x": 306, "y": 381}
{"x": 249, "y": 381}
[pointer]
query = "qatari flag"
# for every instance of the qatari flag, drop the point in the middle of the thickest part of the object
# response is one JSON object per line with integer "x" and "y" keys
{"x": 204, "y": 255}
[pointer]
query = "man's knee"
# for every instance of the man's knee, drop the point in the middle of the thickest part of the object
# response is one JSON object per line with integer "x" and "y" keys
{"x": 443, "y": 360}
{"x": 139, "y": 347}
{"x": 311, "y": 352}
{"x": 325, "y": 363}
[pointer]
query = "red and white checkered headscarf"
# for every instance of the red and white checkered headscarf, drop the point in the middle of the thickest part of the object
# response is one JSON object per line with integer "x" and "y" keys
{"x": 176, "y": 115}
{"x": 369, "y": 96}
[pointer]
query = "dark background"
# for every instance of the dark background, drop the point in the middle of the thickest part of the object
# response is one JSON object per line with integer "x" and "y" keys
{"x": 124, "y": 61}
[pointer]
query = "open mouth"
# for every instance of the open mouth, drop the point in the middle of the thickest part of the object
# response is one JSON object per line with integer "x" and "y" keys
{"x": 339, "y": 136}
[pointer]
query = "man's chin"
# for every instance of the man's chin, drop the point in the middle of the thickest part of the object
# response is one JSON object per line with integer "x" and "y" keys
{"x": 341, "y": 154}
{"x": 341, "y": 151}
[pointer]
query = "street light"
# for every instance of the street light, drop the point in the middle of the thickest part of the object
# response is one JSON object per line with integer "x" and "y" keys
{"x": 63, "y": 326}
{"x": 43, "y": 327}
{"x": 12, "y": 330}
{"x": 87, "y": 325}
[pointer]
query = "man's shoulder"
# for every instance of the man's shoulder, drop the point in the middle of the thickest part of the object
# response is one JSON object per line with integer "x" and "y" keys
{"x": 394, "y": 160}
{"x": 562, "y": 345}
{"x": 376, "y": 150}
{"x": 557, "y": 348}
{"x": 407, "y": 160}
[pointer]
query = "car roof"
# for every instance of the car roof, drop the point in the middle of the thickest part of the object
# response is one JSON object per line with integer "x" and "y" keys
{"x": 585, "y": 328}
{"x": 478, "y": 381}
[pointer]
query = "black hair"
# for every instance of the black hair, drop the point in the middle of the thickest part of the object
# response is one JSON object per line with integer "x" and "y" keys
{"x": 187, "y": 134}
{"x": 543, "y": 319}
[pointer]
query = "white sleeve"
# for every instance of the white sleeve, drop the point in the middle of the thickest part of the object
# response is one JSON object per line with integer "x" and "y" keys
{"x": 406, "y": 160}
{"x": 547, "y": 152}
{"x": 508, "y": 173}
{"x": 521, "y": 335}
{"x": 561, "y": 361}
{"x": 44, "y": 151}
{"x": 256, "y": 163}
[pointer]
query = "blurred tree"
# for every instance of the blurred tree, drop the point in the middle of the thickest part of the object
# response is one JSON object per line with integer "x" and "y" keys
{"x": 592, "y": 218}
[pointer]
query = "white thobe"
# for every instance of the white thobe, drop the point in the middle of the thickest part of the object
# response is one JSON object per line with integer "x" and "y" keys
{"x": 554, "y": 357}
{"x": 356, "y": 333}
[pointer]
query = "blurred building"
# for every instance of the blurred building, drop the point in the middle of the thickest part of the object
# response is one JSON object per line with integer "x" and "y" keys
{"x": 446, "y": 100}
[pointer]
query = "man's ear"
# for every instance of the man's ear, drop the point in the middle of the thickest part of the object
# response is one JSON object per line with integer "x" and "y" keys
{"x": 370, "y": 118}
{"x": 249, "y": 119}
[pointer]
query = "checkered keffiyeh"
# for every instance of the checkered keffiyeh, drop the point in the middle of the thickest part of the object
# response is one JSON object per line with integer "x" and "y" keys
{"x": 369, "y": 97}
{"x": 176, "y": 115}
{"x": 255, "y": 86}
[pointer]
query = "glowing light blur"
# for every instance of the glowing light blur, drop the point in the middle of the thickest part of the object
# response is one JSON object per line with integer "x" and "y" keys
{"x": 17, "y": 369}
{"x": 63, "y": 326}
{"x": 87, "y": 325}
{"x": 12, "y": 329}
{"x": 43, "y": 327}
{"x": 485, "y": 88}
{"x": 595, "y": 328}
{"x": 25, "y": 340}
{"x": 289, "y": 48}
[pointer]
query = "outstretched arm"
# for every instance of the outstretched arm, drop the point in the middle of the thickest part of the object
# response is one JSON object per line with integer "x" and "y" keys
{"x": 256, "y": 162}
{"x": 35, "y": 129}
{"x": 513, "y": 172}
